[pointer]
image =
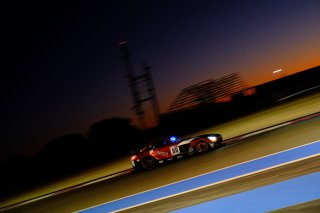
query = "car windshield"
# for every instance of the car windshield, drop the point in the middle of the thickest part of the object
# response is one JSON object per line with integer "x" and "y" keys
{"x": 160, "y": 143}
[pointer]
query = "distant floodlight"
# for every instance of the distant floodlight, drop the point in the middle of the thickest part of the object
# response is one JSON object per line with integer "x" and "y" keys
{"x": 276, "y": 71}
{"x": 122, "y": 42}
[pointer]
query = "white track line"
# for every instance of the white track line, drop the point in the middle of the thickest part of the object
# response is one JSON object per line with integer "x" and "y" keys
{"x": 297, "y": 93}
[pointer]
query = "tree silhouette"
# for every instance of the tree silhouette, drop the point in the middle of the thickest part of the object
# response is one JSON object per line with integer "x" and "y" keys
{"x": 62, "y": 155}
{"x": 112, "y": 137}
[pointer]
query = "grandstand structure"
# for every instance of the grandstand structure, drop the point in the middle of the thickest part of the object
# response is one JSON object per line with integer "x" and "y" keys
{"x": 208, "y": 91}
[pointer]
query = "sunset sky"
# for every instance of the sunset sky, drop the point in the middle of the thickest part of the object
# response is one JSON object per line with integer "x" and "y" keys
{"x": 62, "y": 70}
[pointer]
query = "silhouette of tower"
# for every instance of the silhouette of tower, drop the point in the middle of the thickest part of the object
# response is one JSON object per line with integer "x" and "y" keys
{"x": 134, "y": 81}
{"x": 151, "y": 90}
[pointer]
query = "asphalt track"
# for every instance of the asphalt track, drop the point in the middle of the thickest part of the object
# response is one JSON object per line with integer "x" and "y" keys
{"x": 248, "y": 149}
{"x": 207, "y": 180}
{"x": 235, "y": 186}
{"x": 282, "y": 112}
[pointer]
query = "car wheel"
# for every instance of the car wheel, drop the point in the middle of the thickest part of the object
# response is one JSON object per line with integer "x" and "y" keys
{"x": 148, "y": 163}
{"x": 201, "y": 146}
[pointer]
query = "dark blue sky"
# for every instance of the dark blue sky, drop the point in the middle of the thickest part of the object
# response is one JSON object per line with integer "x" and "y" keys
{"x": 62, "y": 67}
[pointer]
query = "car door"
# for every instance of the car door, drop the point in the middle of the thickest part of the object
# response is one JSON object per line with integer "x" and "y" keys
{"x": 163, "y": 149}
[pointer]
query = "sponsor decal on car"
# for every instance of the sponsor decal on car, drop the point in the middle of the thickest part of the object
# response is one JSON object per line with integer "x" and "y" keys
{"x": 161, "y": 153}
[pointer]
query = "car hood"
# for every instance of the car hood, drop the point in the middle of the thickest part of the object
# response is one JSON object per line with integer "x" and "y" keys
{"x": 186, "y": 141}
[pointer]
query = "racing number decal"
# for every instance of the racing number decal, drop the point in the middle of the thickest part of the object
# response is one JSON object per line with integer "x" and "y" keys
{"x": 175, "y": 150}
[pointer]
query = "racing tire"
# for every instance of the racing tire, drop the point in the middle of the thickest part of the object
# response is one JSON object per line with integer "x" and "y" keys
{"x": 201, "y": 146}
{"x": 148, "y": 163}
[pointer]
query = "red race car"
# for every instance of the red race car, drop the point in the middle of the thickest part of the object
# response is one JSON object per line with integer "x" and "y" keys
{"x": 171, "y": 148}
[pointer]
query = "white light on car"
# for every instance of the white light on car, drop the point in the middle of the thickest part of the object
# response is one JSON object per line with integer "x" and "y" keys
{"x": 212, "y": 138}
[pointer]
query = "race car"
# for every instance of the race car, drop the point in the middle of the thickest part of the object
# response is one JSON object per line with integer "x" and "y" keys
{"x": 172, "y": 148}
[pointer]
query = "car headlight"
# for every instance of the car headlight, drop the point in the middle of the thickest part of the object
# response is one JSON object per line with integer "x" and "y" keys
{"x": 134, "y": 157}
{"x": 212, "y": 138}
